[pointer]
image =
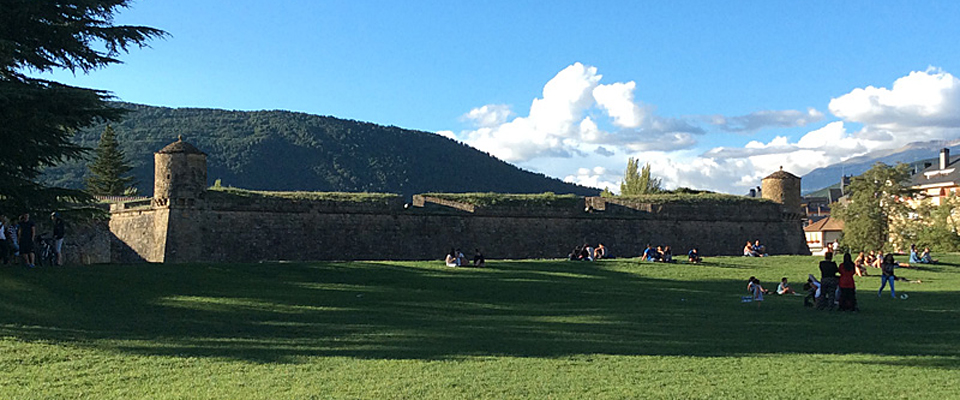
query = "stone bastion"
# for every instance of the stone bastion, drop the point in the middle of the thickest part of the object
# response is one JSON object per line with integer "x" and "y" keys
{"x": 186, "y": 222}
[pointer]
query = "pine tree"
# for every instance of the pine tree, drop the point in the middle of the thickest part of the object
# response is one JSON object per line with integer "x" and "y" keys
{"x": 38, "y": 117}
{"x": 109, "y": 167}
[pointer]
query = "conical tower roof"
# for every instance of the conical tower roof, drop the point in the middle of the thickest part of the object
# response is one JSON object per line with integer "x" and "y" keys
{"x": 781, "y": 174}
{"x": 180, "y": 147}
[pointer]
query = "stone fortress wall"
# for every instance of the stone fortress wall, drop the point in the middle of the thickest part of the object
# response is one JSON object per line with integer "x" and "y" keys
{"x": 186, "y": 223}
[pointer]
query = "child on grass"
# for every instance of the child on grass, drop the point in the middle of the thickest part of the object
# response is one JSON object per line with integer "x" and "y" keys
{"x": 756, "y": 290}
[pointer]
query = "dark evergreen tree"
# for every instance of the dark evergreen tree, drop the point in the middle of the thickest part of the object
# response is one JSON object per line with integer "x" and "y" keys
{"x": 38, "y": 117}
{"x": 109, "y": 168}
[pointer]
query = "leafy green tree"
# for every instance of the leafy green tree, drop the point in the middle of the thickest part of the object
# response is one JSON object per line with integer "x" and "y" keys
{"x": 37, "y": 116}
{"x": 876, "y": 202}
{"x": 109, "y": 167}
{"x": 637, "y": 180}
{"x": 606, "y": 193}
{"x": 933, "y": 226}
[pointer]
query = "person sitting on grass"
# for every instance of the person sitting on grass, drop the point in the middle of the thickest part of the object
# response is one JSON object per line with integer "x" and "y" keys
{"x": 599, "y": 252}
{"x": 878, "y": 261}
{"x": 759, "y": 248}
{"x": 478, "y": 260}
{"x": 748, "y": 250}
{"x": 666, "y": 255}
{"x": 860, "y": 264}
{"x": 914, "y": 256}
{"x": 813, "y": 291}
{"x": 694, "y": 256}
{"x": 650, "y": 254}
{"x": 756, "y": 290}
{"x": 575, "y": 254}
{"x": 925, "y": 257}
{"x": 784, "y": 288}
{"x": 752, "y": 283}
{"x": 452, "y": 260}
{"x": 462, "y": 259}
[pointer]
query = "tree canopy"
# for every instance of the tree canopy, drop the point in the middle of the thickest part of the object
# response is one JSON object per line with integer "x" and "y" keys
{"x": 876, "y": 202}
{"x": 290, "y": 151}
{"x": 38, "y": 117}
{"x": 637, "y": 180}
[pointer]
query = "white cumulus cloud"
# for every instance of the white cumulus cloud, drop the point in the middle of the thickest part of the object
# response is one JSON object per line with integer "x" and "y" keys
{"x": 489, "y": 115}
{"x": 617, "y": 100}
{"x": 580, "y": 124}
{"x": 921, "y": 106}
{"x": 597, "y": 177}
{"x": 922, "y": 99}
{"x": 562, "y": 123}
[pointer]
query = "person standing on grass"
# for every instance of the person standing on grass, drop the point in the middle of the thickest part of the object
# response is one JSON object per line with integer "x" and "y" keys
{"x": 828, "y": 282}
{"x": 887, "y": 275}
{"x": 4, "y": 247}
{"x": 848, "y": 287}
{"x": 58, "y": 234}
{"x": 27, "y": 231}
{"x": 12, "y": 241}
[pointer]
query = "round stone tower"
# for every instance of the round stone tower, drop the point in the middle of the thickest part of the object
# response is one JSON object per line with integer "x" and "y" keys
{"x": 784, "y": 188}
{"x": 180, "y": 175}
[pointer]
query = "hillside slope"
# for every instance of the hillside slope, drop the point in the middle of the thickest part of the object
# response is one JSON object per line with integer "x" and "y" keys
{"x": 282, "y": 150}
{"x": 915, "y": 152}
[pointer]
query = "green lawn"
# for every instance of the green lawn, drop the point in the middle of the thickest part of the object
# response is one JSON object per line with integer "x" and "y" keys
{"x": 517, "y": 329}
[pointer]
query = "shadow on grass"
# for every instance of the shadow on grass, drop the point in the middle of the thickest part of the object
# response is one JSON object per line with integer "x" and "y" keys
{"x": 384, "y": 310}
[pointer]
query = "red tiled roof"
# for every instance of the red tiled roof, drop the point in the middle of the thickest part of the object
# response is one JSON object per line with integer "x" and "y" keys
{"x": 823, "y": 225}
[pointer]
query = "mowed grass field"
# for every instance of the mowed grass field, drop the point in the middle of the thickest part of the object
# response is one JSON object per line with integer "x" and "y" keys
{"x": 517, "y": 329}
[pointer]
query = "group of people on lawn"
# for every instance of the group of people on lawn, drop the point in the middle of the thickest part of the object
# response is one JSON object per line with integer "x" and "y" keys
{"x": 455, "y": 258}
{"x": 589, "y": 253}
{"x": 665, "y": 254}
{"x": 586, "y": 252}
{"x": 754, "y": 249}
{"x": 836, "y": 288}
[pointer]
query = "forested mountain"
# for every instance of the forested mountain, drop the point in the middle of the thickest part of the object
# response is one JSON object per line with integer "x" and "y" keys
{"x": 282, "y": 150}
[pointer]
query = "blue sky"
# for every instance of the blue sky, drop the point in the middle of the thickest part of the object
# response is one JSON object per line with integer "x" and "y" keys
{"x": 715, "y": 95}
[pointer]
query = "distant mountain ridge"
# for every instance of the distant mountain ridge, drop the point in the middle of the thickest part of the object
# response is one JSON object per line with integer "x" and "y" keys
{"x": 916, "y": 152}
{"x": 290, "y": 151}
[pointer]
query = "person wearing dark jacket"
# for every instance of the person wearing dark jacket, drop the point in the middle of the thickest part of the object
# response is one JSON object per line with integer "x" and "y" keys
{"x": 828, "y": 282}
